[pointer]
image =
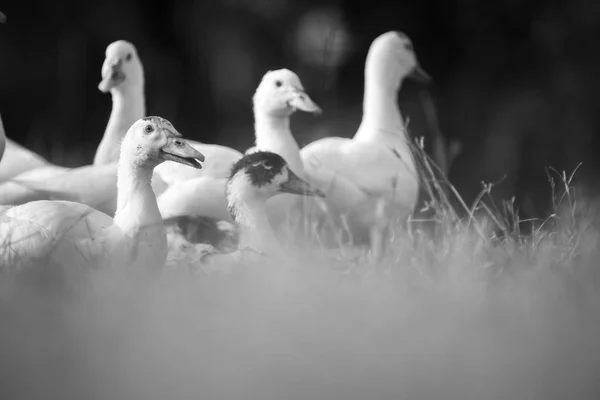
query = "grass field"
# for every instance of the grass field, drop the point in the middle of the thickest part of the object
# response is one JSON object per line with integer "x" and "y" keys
{"x": 466, "y": 306}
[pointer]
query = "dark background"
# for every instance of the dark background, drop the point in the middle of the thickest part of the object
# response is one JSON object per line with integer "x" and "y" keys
{"x": 514, "y": 81}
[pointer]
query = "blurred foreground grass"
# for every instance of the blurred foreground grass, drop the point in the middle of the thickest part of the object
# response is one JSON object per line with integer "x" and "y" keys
{"x": 466, "y": 306}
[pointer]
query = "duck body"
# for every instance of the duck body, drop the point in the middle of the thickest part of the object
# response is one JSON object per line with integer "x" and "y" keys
{"x": 197, "y": 197}
{"x": 59, "y": 233}
{"x": 222, "y": 158}
{"x": 375, "y": 168}
{"x": 18, "y": 160}
{"x": 92, "y": 185}
{"x": 197, "y": 193}
{"x": 40, "y": 173}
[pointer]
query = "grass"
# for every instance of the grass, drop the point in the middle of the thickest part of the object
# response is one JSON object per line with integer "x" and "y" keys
{"x": 473, "y": 303}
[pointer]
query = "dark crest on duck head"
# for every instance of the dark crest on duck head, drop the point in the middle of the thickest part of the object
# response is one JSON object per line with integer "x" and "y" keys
{"x": 261, "y": 167}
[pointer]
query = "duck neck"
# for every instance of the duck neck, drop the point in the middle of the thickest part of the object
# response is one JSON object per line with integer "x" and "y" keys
{"x": 137, "y": 210}
{"x": 128, "y": 106}
{"x": 382, "y": 121}
{"x": 381, "y": 115}
{"x": 273, "y": 134}
{"x": 255, "y": 230}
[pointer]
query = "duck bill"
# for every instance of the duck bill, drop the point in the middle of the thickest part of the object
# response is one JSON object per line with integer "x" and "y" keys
{"x": 112, "y": 75}
{"x": 301, "y": 101}
{"x": 418, "y": 74}
{"x": 178, "y": 150}
{"x": 295, "y": 185}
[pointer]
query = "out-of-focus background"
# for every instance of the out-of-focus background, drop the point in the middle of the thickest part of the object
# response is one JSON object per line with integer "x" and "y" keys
{"x": 515, "y": 82}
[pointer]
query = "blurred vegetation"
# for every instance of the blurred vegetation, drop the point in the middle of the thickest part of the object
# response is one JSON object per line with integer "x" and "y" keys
{"x": 453, "y": 312}
{"x": 515, "y": 82}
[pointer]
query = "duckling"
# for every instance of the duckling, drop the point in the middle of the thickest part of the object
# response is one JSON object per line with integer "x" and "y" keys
{"x": 373, "y": 176}
{"x": 254, "y": 179}
{"x": 72, "y": 236}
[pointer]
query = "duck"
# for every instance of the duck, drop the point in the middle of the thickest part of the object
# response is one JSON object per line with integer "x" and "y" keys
{"x": 123, "y": 77}
{"x": 73, "y": 236}
{"x": 372, "y": 177}
{"x": 279, "y": 94}
{"x": 253, "y": 180}
{"x": 94, "y": 185}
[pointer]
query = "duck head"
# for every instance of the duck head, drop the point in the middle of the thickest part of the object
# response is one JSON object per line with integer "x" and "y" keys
{"x": 392, "y": 58}
{"x": 122, "y": 68}
{"x": 153, "y": 140}
{"x": 280, "y": 93}
{"x": 262, "y": 175}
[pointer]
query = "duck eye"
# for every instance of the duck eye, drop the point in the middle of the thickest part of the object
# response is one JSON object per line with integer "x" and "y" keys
{"x": 128, "y": 57}
{"x": 278, "y": 83}
{"x": 148, "y": 128}
{"x": 267, "y": 164}
{"x": 408, "y": 46}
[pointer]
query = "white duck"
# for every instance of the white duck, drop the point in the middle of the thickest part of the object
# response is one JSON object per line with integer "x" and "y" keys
{"x": 94, "y": 185}
{"x": 67, "y": 235}
{"x": 123, "y": 76}
{"x": 279, "y": 94}
{"x": 373, "y": 175}
{"x": 255, "y": 179}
